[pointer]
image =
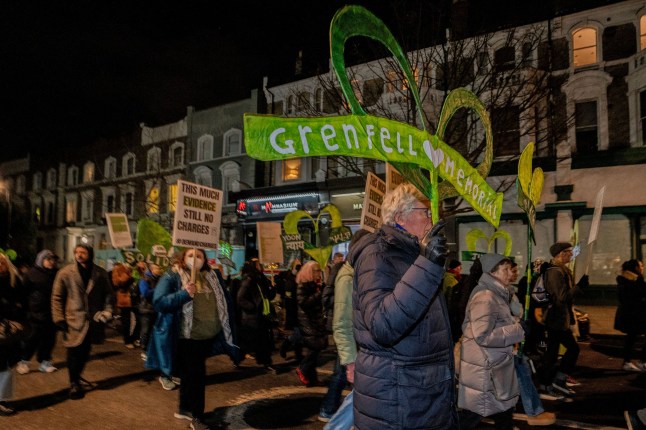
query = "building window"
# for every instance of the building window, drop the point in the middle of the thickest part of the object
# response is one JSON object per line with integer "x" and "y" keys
{"x": 21, "y": 187}
{"x": 109, "y": 200}
{"x": 642, "y": 114}
{"x": 642, "y": 32}
{"x": 109, "y": 204}
{"x": 37, "y": 213}
{"x": 70, "y": 208}
{"x": 128, "y": 202}
{"x": 51, "y": 179}
{"x": 292, "y": 169}
{"x": 205, "y": 148}
{"x": 110, "y": 168}
{"x": 87, "y": 208}
{"x": 504, "y": 59}
{"x": 154, "y": 160}
{"x": 232, "y": 142}
{"x": 203, "y": 176}
{"x": 230, "y": 173}
{"x": 50, "y": 213}
{"x": 72, "y": 176}
{"x": 172, "y": 197}
{"x": 584, "y": 46}
{"x": 176, "y": 155}
{"x": 585, "y": 119}
{"x": 128, "y": 165}
{"x": 38, "y": 182}
{"x": 152, "y": 202}
{"x": 88, "y": 172}
{"x": 506, "y": 130}
{"x": 290, "y": 105}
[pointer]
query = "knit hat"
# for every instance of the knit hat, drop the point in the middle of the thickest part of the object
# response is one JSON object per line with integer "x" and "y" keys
{"x": 489, "y": 261}
{"x": 558, "y": 247}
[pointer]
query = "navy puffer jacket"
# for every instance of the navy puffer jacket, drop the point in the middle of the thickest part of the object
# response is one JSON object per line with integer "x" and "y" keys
{"x": 404, "y": 375}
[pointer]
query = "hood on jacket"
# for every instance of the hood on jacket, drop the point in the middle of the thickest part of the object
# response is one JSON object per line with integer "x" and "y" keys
{"x": 42, "y": 255}
{"x": 358, "y": 246}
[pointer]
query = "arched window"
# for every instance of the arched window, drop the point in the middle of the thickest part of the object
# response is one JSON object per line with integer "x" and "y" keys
{"x": 584, "y": 46}
{"x": 230, "y": 173}
{"x": 128, "y": 164}
{"x": 642, "y": 32}
{"x": 51, "y": 179}
{"x": 205, "y": 148}
{"x": 176, "y": 154}
{"x": 72, "y": 176}
{"x": 154, "y": 160}
{"x": 203, "y": 176}
{"x": 88, "y": 172}
{"x": 38, "y": 182}
{"x": 232, "y": 142}
{"x": 110, "y": 168}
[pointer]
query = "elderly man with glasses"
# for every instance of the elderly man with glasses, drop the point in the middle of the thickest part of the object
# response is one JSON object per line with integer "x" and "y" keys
{"x": 404, "y": 375}
{"x": 558, "y": 319}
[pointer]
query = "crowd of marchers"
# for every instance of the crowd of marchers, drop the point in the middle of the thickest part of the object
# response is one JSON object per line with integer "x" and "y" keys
{"x": 420, "y": 344}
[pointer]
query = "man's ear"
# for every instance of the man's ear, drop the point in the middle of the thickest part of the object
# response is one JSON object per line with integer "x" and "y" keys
{"x": 399, "y": 219}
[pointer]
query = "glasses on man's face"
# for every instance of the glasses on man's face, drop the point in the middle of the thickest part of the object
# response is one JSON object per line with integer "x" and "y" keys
{"x": 427, "y": 211}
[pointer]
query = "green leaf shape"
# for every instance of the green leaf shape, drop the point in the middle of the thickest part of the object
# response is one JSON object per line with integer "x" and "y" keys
{"x": 536, "y": 187}
{"x": 525, "y": 167}
{"x": 476, "y": 234}
{"x": 150, "y": 233}
{"x": 10, "y": 253}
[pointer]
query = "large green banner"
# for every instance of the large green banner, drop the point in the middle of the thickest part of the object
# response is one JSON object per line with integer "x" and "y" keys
{"x": 406, "y": 147}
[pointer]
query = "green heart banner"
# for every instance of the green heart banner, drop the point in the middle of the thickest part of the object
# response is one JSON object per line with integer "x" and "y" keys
{"x": 476, "y": 234}
{"x": 406, "y": 147}
{"x": 338, "y": 233}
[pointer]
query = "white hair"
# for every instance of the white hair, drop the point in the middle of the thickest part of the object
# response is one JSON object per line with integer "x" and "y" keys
{"x": 400, "y": 201}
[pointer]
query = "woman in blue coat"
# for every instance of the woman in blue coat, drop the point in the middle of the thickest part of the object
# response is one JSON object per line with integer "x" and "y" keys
{"x": 194, "y": 321}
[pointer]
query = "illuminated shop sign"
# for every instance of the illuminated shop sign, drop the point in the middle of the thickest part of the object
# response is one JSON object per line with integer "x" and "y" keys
{"x": 270, "y": 206}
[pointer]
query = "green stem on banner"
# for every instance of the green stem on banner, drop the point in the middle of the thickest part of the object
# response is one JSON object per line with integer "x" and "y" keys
{"x": 528, "y": 290}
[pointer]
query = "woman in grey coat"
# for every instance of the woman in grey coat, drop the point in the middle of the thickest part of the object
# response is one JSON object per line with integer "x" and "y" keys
{"x": 488, "y": 386}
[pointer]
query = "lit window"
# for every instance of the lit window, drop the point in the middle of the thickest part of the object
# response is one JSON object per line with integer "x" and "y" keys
{"x": 292, "y": 169}
{"x": 88, "y": 172}
{"x": 37, "y": 214}
{"x": 70, "y": 209}
{"x": 642, "y": 32}
{"x": 172, "y": 197}
{"x": 152, "y": 203}
{"x": 584, "y": 42}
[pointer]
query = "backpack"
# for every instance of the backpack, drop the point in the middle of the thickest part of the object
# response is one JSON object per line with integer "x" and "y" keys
{"x": 540, "y": 296}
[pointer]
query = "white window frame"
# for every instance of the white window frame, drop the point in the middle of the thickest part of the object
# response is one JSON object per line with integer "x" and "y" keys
{"x": 125, "y": 190}
{"x": 597, "y": 47}
{"x": 110, "y": 168}
{"x": 124, "y": 164}
{"x": 153, "y": 160}
{"x": 226, "y": 141}
{"x": 205, "y": 148}
{"x": 51, "y": 179}
{"x": 105, "y": 193}
{"x": 71, "y": 207}
{"x": 150, "y": 184}
{"x": 230, "y": 172}
{"x": 89, "y": 172}
{"x": 37, "y": 184}
{"x": 72, "y": 176}
{"x": 87, "y": 206}
{"x": 203, "y": 176}
{"x": 171, "y": 151}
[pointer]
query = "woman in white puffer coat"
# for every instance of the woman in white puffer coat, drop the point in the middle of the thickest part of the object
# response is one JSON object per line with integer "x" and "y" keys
{"x": 488, "y": 386}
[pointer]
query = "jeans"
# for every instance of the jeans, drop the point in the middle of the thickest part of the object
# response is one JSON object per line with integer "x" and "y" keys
{"x": 332, "y": 399}
{"x": 528, "y": 395}
{"x": 343, "y": 419}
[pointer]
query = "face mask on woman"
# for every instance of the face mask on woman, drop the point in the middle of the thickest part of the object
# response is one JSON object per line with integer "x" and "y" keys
{"x": 188, "y": 260}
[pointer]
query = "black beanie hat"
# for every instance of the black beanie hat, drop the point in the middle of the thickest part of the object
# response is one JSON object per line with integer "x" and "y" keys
{"x": 454, "y": 263}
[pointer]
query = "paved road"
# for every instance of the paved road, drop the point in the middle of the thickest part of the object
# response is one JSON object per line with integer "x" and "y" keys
{"x": 129, "y": 396}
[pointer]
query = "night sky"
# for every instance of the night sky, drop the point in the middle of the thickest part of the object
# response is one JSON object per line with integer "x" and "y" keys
{"x": 74, "y": 71}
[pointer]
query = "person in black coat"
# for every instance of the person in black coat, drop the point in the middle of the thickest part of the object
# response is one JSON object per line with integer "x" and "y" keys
{"x": 38, "y": 286}
{"x": 254, "y": 298}
{"x": 310, "y": 320}
{"x": 13, "y": 305}
{"x": 631, "y": 312}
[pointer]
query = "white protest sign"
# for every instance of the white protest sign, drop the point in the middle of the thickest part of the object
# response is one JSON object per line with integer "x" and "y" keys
{"x": 371, "y": 213}
{"x": 393, "y": 177}
{"x": 119, "y": 230}
{"x": 197, "y": 217}
{"x": 596, "y": 217}
{"x": 270, "y": 244}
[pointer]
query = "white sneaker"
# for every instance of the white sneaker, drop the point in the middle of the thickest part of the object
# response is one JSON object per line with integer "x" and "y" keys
{"x": 631, "y": 367}
{"x": 23, "y": 367}
{"x": 46, "y": 366}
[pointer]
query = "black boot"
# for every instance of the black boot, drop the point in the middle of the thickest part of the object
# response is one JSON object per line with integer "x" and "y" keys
{"x": 76, "y": 391}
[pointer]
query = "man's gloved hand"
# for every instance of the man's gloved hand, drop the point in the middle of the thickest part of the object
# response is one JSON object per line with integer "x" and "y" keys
{"x": 525, "y": 326}
{"x": 62, "y": 326}
{"x": 433, "y": 245}
{"x": 103, "y": 316}
{"x": 583, "y": 282}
